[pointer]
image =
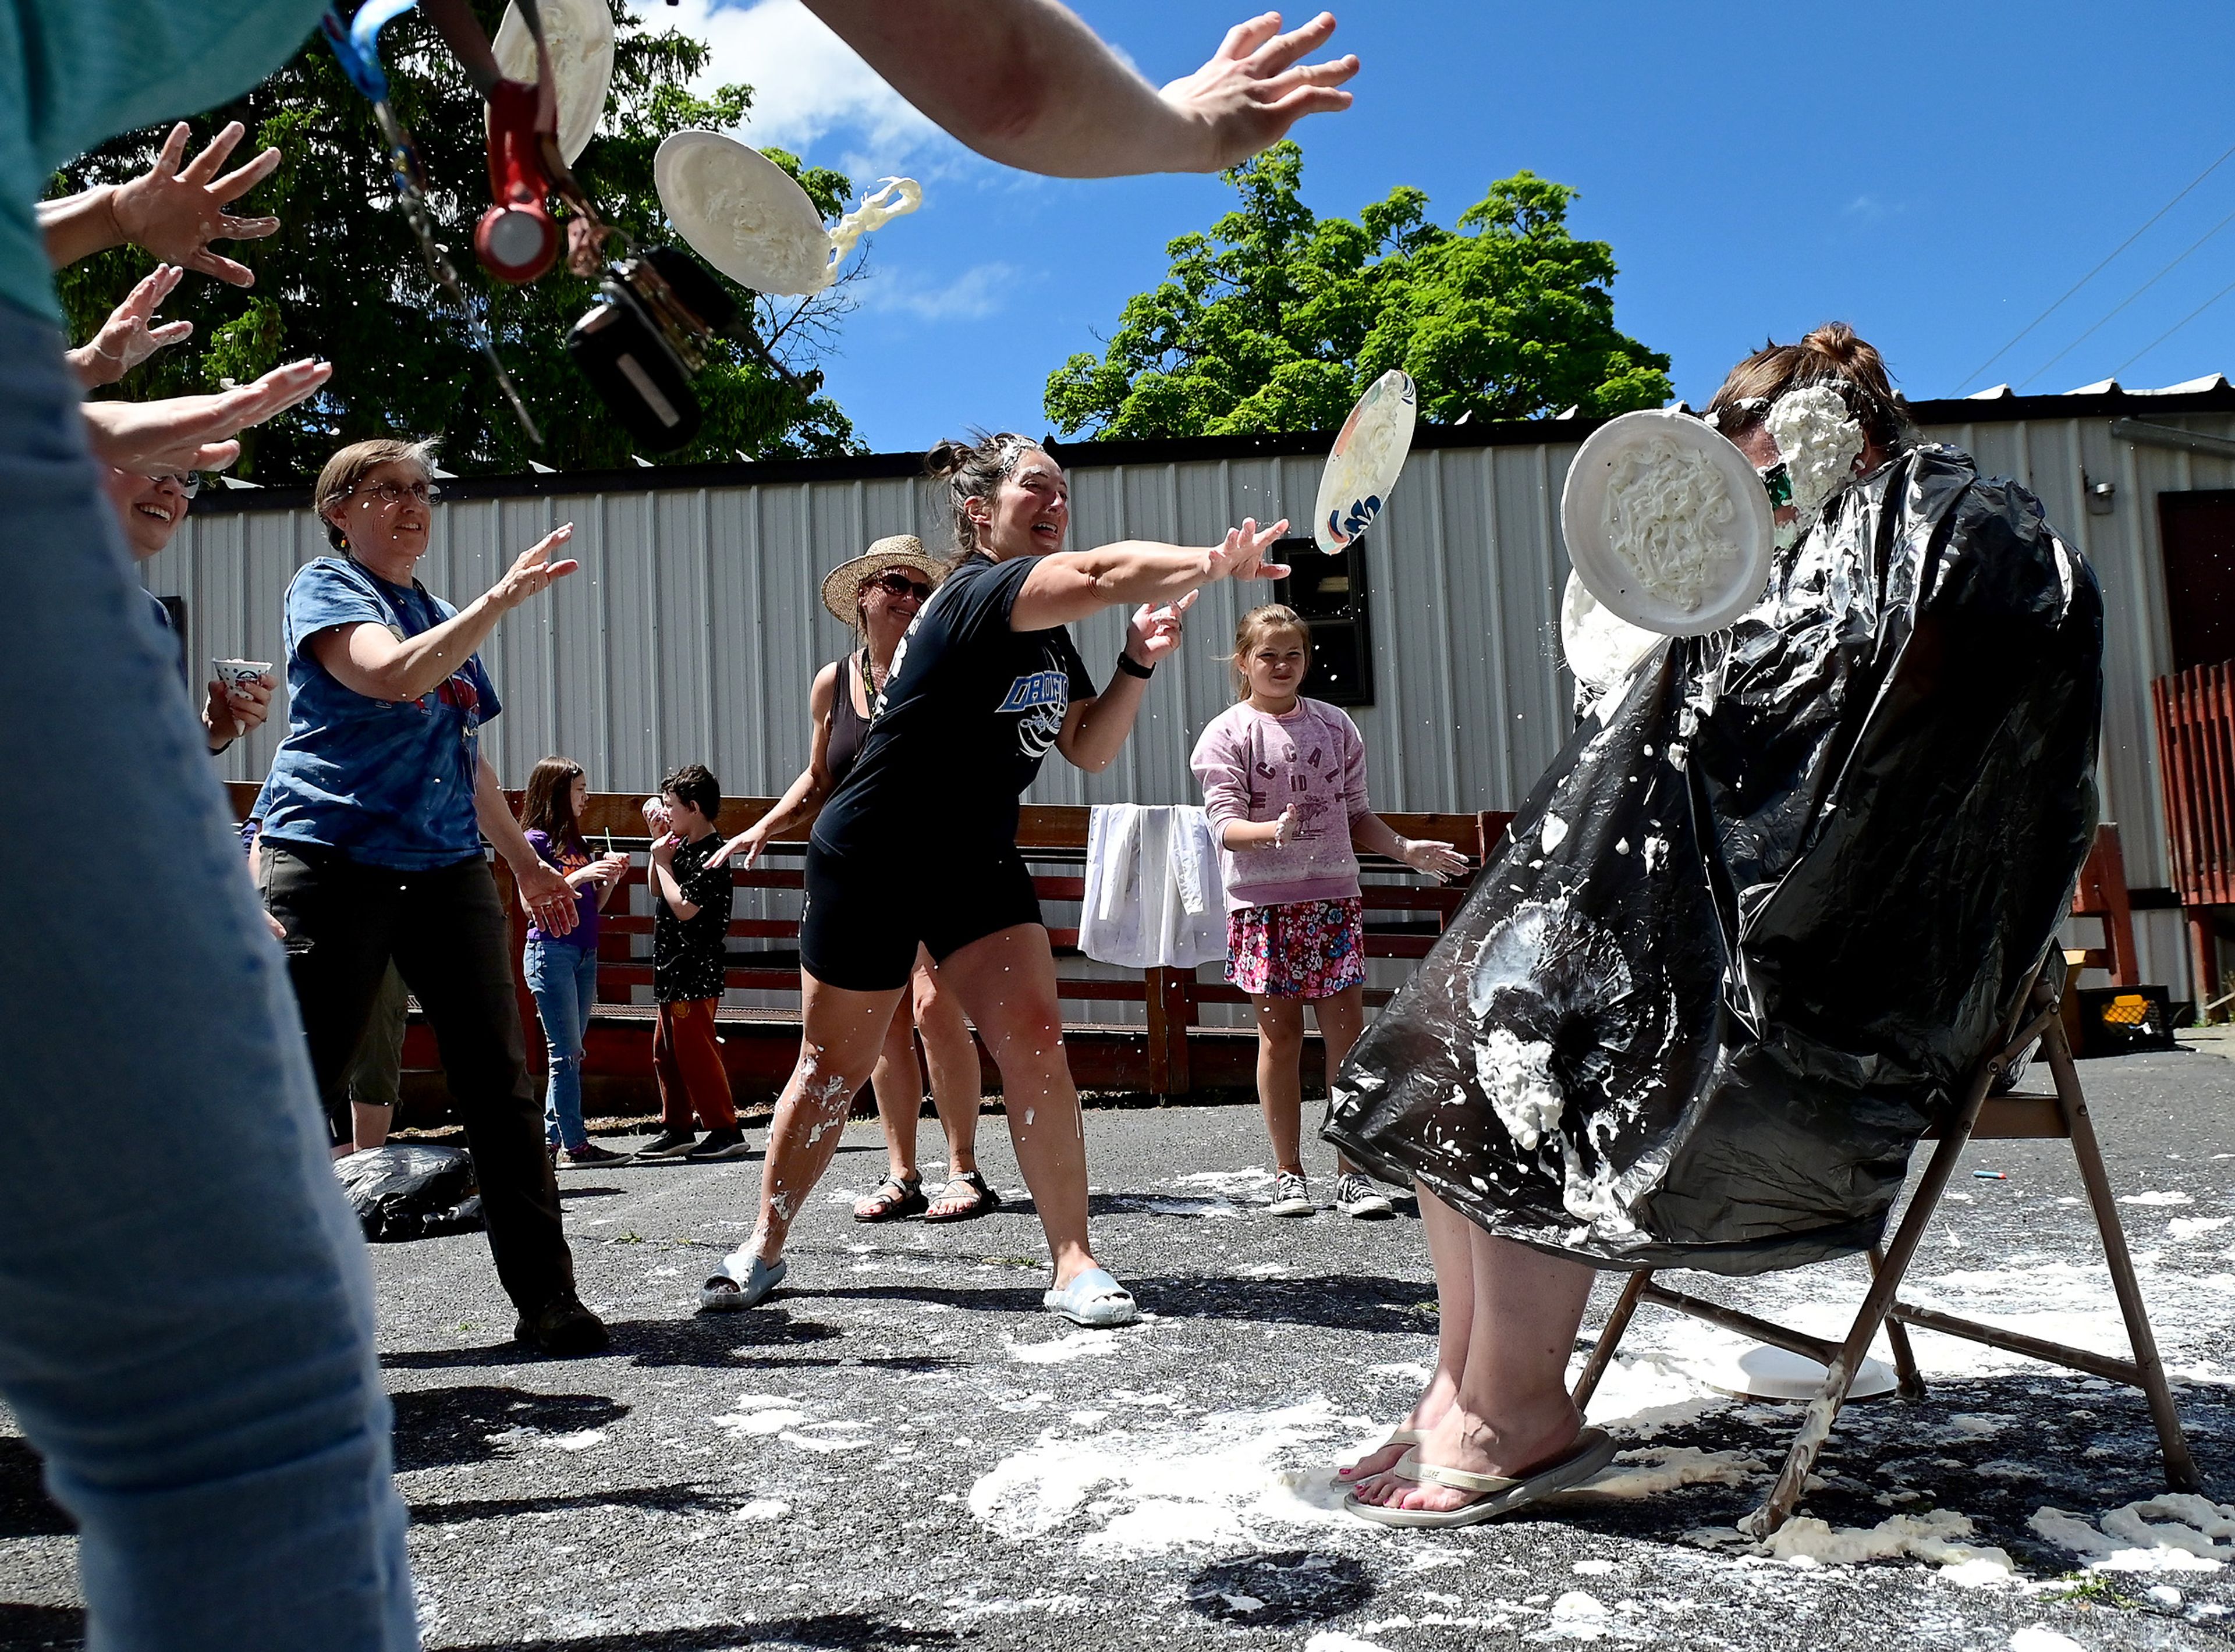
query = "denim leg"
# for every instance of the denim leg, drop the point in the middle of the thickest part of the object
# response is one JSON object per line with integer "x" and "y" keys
{"x": 553, "y": 978}
{"x": 185, "y": 1312}
{"x": 586, "y": 1001}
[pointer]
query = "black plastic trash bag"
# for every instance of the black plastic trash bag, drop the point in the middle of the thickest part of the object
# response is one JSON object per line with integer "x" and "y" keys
{"x": 411, "y": 1190}
{"x": 1768, "y": 907}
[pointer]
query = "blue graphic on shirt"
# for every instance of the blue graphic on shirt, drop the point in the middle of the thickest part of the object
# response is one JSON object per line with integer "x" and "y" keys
{"x": 387, "y": 782}
{"x": 1037, "y": 688}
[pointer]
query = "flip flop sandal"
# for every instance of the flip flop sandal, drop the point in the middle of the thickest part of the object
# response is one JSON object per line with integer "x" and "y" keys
{"x": 1497, "y": 1494}
{"x": 893, "y": 1200}
{"x": 1397, "y": 1437}
{"x": 731, "y": 1292}
{"x": 983, "y": 1199}
{"x": 1094, "y": 1299}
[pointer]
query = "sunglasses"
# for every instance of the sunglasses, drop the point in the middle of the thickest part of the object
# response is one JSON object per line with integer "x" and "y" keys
{"x": 188, "y": 482}
{"x": 389, "y": 493}
{"x": 1776, "y": 480}
{"x": 895, "y": 584}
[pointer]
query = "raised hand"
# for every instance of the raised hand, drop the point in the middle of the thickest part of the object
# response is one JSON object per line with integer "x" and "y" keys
{"x": 194, "y": 432}
{"x": 1252, "y": 89}
{"x": 126, "y": 339}
{"x": 1241, "y": 556}
{"x": 746, "y": 842}
{"x": 1154, "y": 632}
{"x": 175, "y": 213}
{"x": 534, "y": 570}
{"x": 234, "y": 711}
{"x": 655, "y": 816}
{"x": 1437, "y": 860}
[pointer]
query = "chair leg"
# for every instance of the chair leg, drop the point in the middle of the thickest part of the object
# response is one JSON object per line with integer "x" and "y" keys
{"x": 2180, "y": 1467}
{"x": 1609, "y": 1338}
{"x": 1904, "y": 1360}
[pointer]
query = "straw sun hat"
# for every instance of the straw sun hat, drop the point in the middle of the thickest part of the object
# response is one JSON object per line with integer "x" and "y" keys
{"x": 841, "y": 587}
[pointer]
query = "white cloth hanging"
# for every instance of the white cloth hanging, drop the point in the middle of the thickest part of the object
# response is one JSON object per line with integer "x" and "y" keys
{"x": 1154, "y": 896}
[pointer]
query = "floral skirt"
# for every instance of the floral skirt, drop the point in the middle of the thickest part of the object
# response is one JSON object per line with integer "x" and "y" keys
{"x": 1306, "y": 949}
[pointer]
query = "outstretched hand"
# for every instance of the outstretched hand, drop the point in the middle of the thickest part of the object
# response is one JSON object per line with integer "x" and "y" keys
{"x": 1241, "y": 556}
{"x": 1433, "y": 858}
{"x": 194, "y": 432}
{"x": 535, "y": 570}
{"x": 126, "y": 339}
{"x": 746, "y": 842}
{"x": 176, "y": 211}
{"x": 1252, "y": 89}
{"x": 1154, "y": 630}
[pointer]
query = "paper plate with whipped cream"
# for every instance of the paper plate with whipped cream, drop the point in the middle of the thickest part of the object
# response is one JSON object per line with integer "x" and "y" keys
{"x": 580, "y": 37}
{"x": 749, "y": 219}
{"x": 1667, "y": 525}
{"x": 1361, "y": 470}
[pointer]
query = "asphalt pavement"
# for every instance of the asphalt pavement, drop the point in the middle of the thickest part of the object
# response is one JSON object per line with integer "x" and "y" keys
{"x": 904, "y": 1450}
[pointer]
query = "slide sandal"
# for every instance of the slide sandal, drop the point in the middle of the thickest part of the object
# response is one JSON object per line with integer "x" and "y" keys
{"x": 1094, "y": 1299}
{"x": 1498, "y": 1495}
{"x": 728, "y": 1291}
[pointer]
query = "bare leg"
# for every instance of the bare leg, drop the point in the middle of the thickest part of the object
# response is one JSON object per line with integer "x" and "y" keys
{"x": 1450, "y": 1248}
{"x": 842, "y": 1033}
{"x": 1512, "y": 1415}
{"x": 1279, "y": 1076}
{"x": 368, "y": 1126}
{"x": 1341, "y": 1018}
{"x": 1005, "y": 982}
{"x": 899, "y": 1085}
{"x": 952, "y": 1055}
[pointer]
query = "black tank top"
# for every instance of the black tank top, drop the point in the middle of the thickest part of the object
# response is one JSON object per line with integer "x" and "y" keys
{"x": 847, "y": 726}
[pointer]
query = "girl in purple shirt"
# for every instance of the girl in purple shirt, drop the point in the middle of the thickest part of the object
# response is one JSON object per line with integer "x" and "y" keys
{"x": 1283, "y": 782}
{"x": 562, "y": 970}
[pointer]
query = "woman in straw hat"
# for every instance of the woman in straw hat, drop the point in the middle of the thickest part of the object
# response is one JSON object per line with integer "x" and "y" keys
{"x": 878, "y": 594}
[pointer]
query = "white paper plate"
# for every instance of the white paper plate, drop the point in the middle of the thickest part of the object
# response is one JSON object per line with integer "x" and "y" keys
{"x": 742, "y": 213}
{"x": 1369, "y": 452}
{"x": 1754, "y": 1371}
{"x": 1738, "y": 578}
{"x": 580, "y": 34}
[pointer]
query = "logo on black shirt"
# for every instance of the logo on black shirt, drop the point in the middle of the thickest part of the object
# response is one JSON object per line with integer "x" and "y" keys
{"x": 1043, "y": 697}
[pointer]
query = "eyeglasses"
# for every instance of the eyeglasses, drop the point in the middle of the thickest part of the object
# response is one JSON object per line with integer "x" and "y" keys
{"x": 390, "y": 493}
{"x": 1777, "y": 481}
{"x": 188, "y": 482}
{"x": 895, "y": 584}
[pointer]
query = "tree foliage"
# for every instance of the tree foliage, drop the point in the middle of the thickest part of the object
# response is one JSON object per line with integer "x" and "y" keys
{"x": 344, "y": 281}
{"x": 1277, "y": 319}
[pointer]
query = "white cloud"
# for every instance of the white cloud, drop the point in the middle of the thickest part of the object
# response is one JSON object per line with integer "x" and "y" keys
{"x": 976, "y": 293}
{"x": 812, "y": 93}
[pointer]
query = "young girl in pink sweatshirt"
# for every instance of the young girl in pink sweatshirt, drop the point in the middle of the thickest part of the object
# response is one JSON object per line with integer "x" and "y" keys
{"x": 1283, "y": 782}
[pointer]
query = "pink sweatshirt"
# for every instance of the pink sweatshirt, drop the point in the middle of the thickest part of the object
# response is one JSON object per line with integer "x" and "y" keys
{"x": 1251, "y": 766}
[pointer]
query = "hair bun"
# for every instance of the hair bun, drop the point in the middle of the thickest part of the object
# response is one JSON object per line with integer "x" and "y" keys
{"x": 945, "y": 458}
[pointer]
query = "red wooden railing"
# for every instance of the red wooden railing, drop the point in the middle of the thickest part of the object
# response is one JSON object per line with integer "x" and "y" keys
{"x": 2195, "y": 711}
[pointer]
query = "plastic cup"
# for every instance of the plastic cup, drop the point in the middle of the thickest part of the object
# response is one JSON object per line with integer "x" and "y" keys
{"x": 238, "y": 674}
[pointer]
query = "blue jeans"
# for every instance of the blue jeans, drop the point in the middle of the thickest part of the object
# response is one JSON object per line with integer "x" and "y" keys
{"x": 186, "y": 1311}
{"x": 564, "y": 980}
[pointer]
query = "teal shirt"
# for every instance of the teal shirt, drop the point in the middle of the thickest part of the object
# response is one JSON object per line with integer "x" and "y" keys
{"x": 74, "y": 72}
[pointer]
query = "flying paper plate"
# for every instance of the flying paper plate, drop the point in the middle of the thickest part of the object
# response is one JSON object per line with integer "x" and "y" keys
{"x": 1666, "y": 523}
{"x": 1758, "y": 1373}
{"x": 580, "y": 34}
{"x": 742, "y": 213}
{"x": 1368, "y": 453}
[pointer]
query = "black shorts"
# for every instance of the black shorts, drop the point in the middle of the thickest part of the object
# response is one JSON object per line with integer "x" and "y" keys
{"x": 866, "y": 915}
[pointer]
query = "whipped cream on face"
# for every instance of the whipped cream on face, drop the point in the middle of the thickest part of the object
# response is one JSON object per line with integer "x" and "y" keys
{"x": 1669, "y": 518}
{"x": 1819, "y": 441}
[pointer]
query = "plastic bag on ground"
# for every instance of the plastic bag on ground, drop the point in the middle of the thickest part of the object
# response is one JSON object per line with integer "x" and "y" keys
{"x": 1770, "y": 902}
{"x": 411, "y": 1190}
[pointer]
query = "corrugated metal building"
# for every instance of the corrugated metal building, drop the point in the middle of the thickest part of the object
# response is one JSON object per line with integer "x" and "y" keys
{"x": 694, "y": 629}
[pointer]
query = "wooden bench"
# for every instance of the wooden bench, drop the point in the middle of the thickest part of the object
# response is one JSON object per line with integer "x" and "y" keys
{"x": 1170, "y": 1052}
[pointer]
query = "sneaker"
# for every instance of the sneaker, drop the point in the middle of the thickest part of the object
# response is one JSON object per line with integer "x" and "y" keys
{"x": 668, "y": 1144}
{"x": 719, "y": 1144}
{"x": 1357, "y": 1197}
{"x": 1291, "y": 1197}
{"x": 591, "y": 1153}
{"x": 562, "y": 1328}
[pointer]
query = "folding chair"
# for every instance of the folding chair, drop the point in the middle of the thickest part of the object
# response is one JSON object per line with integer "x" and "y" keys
{"x": 2062, "y": 1114}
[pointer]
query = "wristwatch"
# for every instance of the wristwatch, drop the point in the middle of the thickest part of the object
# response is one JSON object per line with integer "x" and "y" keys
{"x": 1133, "y": 667}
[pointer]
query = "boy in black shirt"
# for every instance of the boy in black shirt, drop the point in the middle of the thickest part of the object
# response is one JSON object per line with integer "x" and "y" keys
{"x": 691, "y": 893}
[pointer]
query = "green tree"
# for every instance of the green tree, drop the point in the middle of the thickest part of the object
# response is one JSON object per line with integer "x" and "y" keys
{"x": 343, "y": 279}
{"x": 1276, "y": 320}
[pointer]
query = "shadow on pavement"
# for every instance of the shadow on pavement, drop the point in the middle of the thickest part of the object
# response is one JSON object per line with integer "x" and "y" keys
{"x": 1275, "y": 1591}
{"x": 830, "y": 1630}
{"x": 26, "y": 1510}
{"x": 662, "y": 1500}
{"x": 1342, "y": 1302}
{"x": 441, "y": 1428}
{"x": 33, "y": 1629}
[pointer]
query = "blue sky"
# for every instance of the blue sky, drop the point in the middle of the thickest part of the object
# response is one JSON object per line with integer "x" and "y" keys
{"x": 1937, "y": 175}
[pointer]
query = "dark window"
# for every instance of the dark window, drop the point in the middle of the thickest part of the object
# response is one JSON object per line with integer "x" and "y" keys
{"x": 1329, "y": 592}
{"x": 2199, "y": 532}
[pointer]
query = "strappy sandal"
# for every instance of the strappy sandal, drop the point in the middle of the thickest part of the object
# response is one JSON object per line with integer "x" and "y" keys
{"x": 893, "y": 1198}
{"x": 1495, "y": 1494}
{"x": 1400, "y": 1436}
{"x": 983, "y": 1199}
